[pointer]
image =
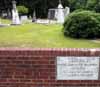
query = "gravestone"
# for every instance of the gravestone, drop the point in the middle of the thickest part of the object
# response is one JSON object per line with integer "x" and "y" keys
{"x": 66, "y": 11}
{"x": 15, "y": 15}
{"x": 23, "y": 18}
{"x": 60, "y": 14}
{"x": 51, "y": 14}
{"x": 78, "y": 68}
{"x": 4, "y": 14}
{"x": 9, "y": 14}
{"x": 34, "y": 17}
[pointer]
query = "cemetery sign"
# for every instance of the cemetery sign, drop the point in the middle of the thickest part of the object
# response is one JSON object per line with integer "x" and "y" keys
{"x": 77, "y": 68}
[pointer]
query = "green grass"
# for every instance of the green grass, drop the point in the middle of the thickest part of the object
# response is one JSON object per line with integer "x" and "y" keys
{"x": 40, "y": 36}
{"x": 4, "y": 21}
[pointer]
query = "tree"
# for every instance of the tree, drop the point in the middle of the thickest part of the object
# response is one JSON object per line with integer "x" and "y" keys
{"x": 97, "y": 7}
{"x": 41, "y": 6}
{"x": 5, "y": 6}
{"x": 91, "y": 4}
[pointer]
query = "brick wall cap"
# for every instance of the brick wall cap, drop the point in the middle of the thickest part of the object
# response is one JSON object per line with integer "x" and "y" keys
{"x": 50, "y": 49}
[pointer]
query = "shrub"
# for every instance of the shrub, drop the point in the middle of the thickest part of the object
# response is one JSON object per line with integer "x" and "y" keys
{"x": 22, "y": 10}
{"x": 83, "y": 24}
{"x": 79, "y": 10}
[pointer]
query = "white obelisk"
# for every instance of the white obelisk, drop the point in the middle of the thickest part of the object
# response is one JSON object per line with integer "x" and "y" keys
{"x": 15, "y": 15}
{"x": 60, "y": 13}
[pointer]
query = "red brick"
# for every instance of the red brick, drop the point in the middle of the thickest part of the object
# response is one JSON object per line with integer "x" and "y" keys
{"x": 37, "y": 67}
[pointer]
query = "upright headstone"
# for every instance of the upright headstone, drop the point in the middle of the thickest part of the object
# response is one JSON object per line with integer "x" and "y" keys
{"x": 9, "y": 14}
{"x": 60, "y": 13}
{"x": 66, "y": 11}
{"x": 23, "y": 18}
{"x": 34, "y": 16}
{"x": 51, "y": 14}
{"x": 0, "y": 20}
{"x": 15, "y": 15}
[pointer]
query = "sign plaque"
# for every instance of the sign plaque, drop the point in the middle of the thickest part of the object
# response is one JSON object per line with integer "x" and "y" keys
{"x": 77, "y": 68}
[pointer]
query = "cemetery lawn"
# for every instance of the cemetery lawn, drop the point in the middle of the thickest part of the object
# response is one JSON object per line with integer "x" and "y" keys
{"x": 40, "y": 36}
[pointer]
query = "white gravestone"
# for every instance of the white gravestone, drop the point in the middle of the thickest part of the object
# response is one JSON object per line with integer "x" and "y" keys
{"x": 24, "y": 18}
{"x": 66, "y": 11}
{"x": 77, "y": 68}
{"x": 15, "y": 15}
{"x": 60, "y": 14}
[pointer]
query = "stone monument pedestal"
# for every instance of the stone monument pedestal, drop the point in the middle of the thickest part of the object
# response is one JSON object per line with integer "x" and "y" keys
{"x": 15, "y": 18}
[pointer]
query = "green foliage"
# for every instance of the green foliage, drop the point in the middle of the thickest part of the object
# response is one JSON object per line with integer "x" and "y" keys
{"x": 79, "y": 10}
{"x": 77, "y": 4}
{"x": 97, "y": 7}
{"x": 83, "y": 24}
{"x": 22, "y": 10}
{"x": 91, "y": 4}
{"x": 41, "y": 6}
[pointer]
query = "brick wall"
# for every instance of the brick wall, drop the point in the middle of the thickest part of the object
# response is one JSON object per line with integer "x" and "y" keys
{"x": 37, "y": 67}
